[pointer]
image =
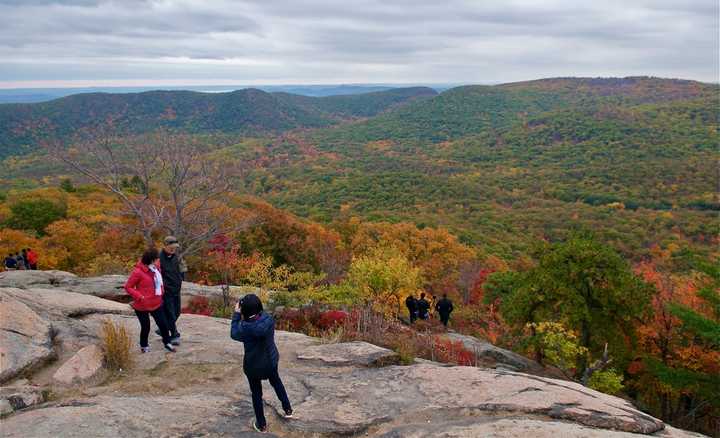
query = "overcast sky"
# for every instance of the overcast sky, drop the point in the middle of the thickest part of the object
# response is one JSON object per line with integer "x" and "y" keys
{"x": 46, "y": 43}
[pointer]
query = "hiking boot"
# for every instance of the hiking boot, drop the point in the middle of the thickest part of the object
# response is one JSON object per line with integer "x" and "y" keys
{"x": 263, "y": 429}
{"x": 169, "y": 347}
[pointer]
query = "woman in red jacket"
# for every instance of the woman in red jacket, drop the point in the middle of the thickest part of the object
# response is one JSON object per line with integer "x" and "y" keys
{"x": 146, "y": 288}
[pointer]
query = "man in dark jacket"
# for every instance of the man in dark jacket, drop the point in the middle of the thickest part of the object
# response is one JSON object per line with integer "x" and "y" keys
{"x": 411, "y": 304}
{"x": 256, "y": 330}
{"x": 444, "y": 308}
{"x": 423, "y": 307}
{"x": 170, "y": 266}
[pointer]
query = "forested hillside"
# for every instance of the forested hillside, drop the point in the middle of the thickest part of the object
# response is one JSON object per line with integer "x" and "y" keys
{"x": 248, "y": 111}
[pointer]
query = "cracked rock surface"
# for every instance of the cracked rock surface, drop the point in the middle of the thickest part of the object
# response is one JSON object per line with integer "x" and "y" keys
{"x": 350, "y": 389}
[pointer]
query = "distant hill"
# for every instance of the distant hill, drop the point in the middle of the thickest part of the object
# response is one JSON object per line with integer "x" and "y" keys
{"x": 475, "y": 109}
{"x": 248, "y": 111}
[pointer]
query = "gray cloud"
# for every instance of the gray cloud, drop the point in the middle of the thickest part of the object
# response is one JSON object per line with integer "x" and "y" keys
{"x": 324, "y": 41}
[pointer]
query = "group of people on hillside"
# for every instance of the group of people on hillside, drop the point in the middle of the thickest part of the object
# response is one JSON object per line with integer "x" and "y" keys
{"x": 420, "y": 308}
{"x": 155, "y": 285}
{"x": 25, "y": 259}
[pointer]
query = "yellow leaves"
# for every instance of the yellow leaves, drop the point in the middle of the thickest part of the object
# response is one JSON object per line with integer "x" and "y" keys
{"x": 77, "y": 239}
{"x": 384, "y": 278}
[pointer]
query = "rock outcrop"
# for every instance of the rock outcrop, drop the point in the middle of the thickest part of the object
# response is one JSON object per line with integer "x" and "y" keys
{"x": 347, "y": 389}
{"x": 83, "y": 366}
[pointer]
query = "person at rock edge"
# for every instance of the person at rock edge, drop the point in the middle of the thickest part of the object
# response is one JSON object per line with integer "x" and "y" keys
{"x": 256, "y": 330}
{"x": 172, "y": 273}
{"x": 423, "y": 307}
{"x": 411, "y": 304}
{"x": 444, "y": 308}
{"x": 32, "y": 258}
{"x": 19, "y": 261}
{"x": 145, "y": 286}
{"x": 10, "y": 262}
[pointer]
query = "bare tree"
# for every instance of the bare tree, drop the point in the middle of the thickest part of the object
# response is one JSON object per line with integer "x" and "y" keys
{"x": 165, "y": 181}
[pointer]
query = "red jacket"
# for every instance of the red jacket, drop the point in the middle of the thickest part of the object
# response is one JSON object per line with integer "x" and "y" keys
{"x": 32, "y": 257}
{"x": 141, "y": 286}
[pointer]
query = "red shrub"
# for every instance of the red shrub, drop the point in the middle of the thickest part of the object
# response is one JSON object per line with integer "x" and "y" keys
{"x": 198, "y": 305}
{"x": 447, "y": 351}
{"x": 331, "y": 319}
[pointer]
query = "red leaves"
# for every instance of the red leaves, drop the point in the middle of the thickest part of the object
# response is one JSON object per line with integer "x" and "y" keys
{"x": 198, "y": 305}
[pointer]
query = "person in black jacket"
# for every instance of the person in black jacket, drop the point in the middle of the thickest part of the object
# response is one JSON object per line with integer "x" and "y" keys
{"x": 172, "y": 275}
{"x": 423, "y": 307}
{"x": 256, "y": 330}
{"x": 444, "y": 308}
{"x": 411, "y": 304}
{"x": 10, "y": 262}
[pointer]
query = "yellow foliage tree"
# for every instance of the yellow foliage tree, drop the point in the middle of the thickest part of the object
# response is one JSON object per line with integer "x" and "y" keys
{"x": 75, "y": 238}
{"x": 384, "y": 277}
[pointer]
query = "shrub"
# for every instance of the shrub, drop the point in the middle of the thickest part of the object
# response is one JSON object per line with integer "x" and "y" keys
{"x": 557, "y": 345}
{"x": 607, "y": 381}
{"x": 116, "y": 346}
{"x": 198, "y": 305}
{"x": 447, "y": 351}
{"x": 35, "y": 214}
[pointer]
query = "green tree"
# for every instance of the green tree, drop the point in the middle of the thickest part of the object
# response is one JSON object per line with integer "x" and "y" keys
{"x": 35, "y": 214}
{"x": 586, "y": 286}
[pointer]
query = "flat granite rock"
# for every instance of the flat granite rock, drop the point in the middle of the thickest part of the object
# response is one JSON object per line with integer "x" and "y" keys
{"x": 350, "y": 353}
{"x": 19, "y": 396}
{"x": 345, "y": 389}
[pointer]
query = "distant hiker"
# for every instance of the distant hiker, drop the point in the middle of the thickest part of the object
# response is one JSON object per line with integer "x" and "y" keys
{"x": 10, "y": 262}
{"x": 145, "y": 286}
{"x": 19, "y": 261}
{"x": 23, "y": 254}
{"x": 256, "y": 330}
{"x": 444, "y": 308}
{"x": 170, "y": 264}
{"x": 411, "y": 304}
{"x": 32, "y": 259}
{"x": 423, "y": 307}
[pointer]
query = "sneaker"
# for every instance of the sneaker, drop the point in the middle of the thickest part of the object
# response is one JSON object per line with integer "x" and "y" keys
{"x": 258, "y": 428}
{"x": 288, "y": 413}
{"x": 175, "y": 340}
{"x": 144, "y": 349}
{"x": 170, "y": 348}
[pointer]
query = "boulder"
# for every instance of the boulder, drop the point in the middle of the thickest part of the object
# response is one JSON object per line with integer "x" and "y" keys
{"x": 25, "y": 338}
{"x": 65, "y": 303}
{"x": 83, "y": 366}
{"x": 350, "y": 353}
{"x": 19, "y": 396}
{"x": 489, "y": 353}
{"x": 28, "y": 278}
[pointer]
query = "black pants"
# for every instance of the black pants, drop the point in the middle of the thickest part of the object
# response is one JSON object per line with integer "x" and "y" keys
{"x": 159, "y": 317}
{"x": 413, "y": 315}
{"x": 257, "y": 396}
{"x": 171, "y": 305}
{"x": 445, "y": 317}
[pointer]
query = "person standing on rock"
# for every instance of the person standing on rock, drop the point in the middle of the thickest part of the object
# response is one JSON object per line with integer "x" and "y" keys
{"x": 423, "y": 307}
{"x": 32, "y": 259}
{"x": 172, "y": 274}
{"x": 256, "y": 330}
{"x": 145, "y": 286}
{"x": 411, "y": 304}
{"x": 19, "y": 262}
{"x": 444, "y": 308}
